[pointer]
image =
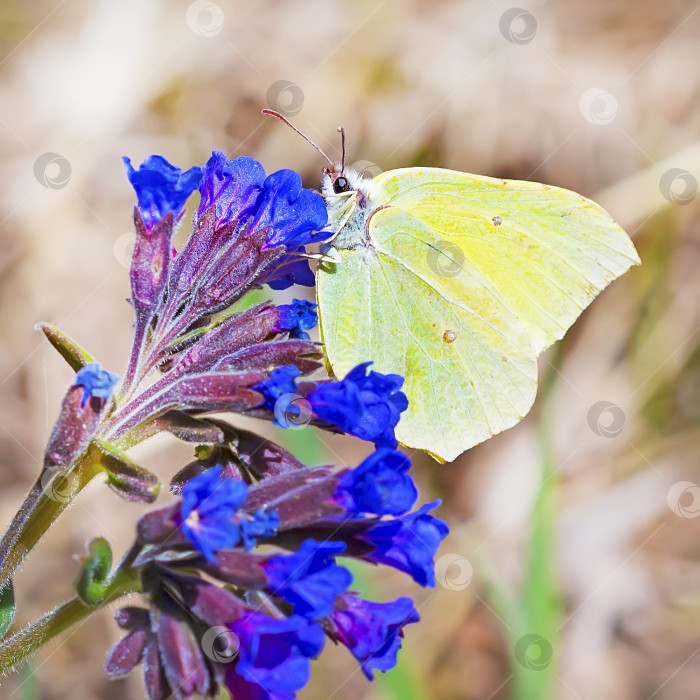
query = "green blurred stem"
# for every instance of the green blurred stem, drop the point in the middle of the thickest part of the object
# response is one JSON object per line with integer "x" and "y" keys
{"x": 22, "y": 644}
{"x": 534, "y": 673}
{"x": 41, "y": 508}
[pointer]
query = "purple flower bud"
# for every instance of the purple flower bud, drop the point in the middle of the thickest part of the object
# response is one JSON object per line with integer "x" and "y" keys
{"x": 161, "y": 187}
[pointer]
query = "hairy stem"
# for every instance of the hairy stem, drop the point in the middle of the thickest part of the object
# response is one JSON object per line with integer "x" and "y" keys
{"x": 25, "y": 642}
{"x": 46, "y": 500}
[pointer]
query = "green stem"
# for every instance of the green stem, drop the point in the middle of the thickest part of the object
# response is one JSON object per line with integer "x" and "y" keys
{"x": 25, "y": 642}
{"x": 41, "y": 508}
{"x": 536, "y": 641}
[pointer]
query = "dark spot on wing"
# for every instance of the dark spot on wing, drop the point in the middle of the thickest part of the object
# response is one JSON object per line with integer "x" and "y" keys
{"x": 449, "y": 336}
{"x": 497, "y": 220}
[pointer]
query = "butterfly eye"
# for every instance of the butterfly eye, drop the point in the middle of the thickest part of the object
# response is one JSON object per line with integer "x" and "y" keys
{"x": 341, "y": 185}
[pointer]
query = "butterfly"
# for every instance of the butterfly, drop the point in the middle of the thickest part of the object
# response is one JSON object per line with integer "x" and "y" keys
{"x": 458, "y": 282}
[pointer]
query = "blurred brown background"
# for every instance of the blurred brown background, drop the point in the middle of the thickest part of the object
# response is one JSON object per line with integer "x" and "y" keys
{"x": 602, "y": 97}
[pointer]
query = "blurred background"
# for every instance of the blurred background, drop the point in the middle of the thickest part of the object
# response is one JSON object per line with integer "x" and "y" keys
{"x": 602, "y": 97}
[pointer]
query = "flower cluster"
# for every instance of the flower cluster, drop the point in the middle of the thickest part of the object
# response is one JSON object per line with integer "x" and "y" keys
{"x": 269, "y": 612}
{"x": 243, "y": 575}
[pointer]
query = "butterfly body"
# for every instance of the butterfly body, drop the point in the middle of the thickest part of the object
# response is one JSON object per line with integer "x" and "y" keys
{"x": 458, "y": 282}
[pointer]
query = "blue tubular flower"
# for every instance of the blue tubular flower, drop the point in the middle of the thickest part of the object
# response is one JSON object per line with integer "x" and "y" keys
{"x": 366, "y": 405}
{"x": 295, "y": 216}
{"x": 309, "y": 578}
{"x": 95, "y": 381}
{"x": 408, "y": 543}
{"x": 273, "y": 662}
{"x": 208, "y": 507}
{"x": 373, "y": 631}
{"x": 232, "y": 186}
{"x": 297, "y": 272}
{"x": 281, "y": 382}
{"x": 161, "y": 187}
{"x": 297, "y": 318}
{"x": 261, "y": 524}
{"x": 380, "y": 485}
{"x": 239, "y": 190}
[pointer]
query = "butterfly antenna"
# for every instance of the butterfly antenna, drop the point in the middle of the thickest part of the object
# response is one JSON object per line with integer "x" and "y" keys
{"x": 272, "y": 113}
{"x": 341, "y": 130}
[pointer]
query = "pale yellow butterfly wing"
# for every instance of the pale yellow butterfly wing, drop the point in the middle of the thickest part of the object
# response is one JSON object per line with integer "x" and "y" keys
{"x": 465, "y": 281}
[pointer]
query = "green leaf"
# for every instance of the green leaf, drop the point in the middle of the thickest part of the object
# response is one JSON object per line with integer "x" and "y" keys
{"x": 94, "y": 576}
{"x": 69, "y": 350}
{"x": 124, "y": 476}
{"x": 7, "y": 607}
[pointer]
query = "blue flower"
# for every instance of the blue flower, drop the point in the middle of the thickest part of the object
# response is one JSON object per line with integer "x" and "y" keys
{"x": 408, "y": 543}
{"x": 263, "y": 523}
{"x": 95, "y": 381}
{"x": 240, "y": 192}
{"x": 207, "y": 511}
{"x": 281, "y": 382}
{"x": 294, "y": 216}
{"x": 297, "y": 318}
{"x": 380, "y": 485}
{"x": 309, "y": 578}
{"x": 273, "y": 656}
{"x": 368, "y": 406}
{"x": 373, "y": 631}
{"x": 161, "y": 187}
{"x": 232, "y": 186}
{"x": 289, "y": 273}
